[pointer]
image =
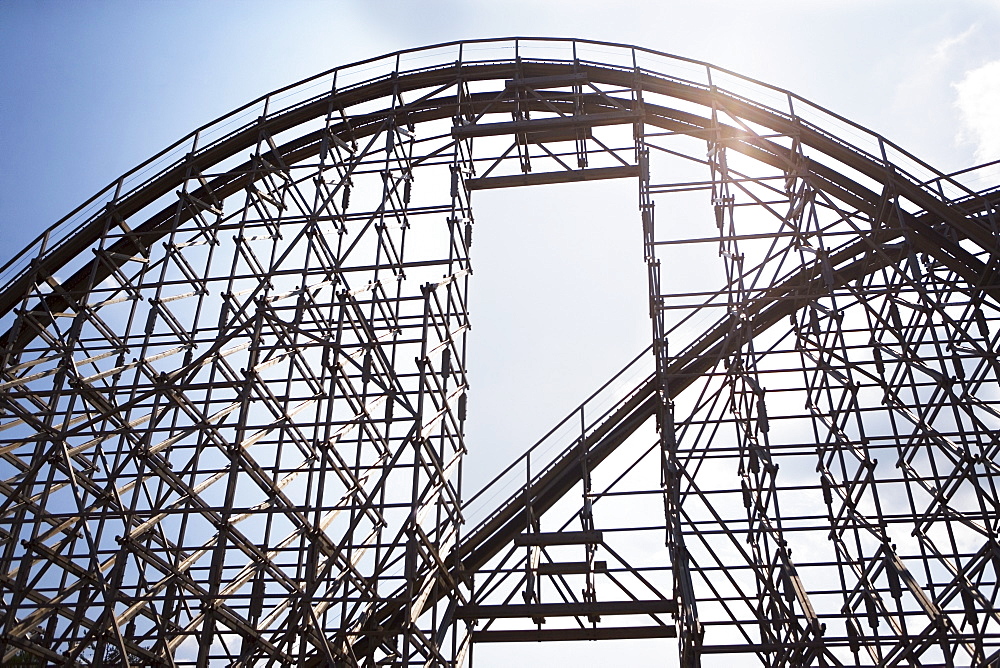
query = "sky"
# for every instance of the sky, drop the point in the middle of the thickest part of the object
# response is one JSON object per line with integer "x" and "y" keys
{"x": 90, "y": 88}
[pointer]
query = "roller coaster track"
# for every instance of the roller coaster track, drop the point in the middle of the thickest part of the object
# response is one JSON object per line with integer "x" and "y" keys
{"x": 225, "y": 456}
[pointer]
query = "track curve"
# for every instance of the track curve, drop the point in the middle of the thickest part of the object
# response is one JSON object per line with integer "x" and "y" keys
{"x": 292, "y": 336}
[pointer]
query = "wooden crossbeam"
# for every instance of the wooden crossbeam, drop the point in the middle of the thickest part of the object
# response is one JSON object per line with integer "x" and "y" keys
{"x": 580, "y": 121}
{"x": 535, "y": 610}
{"x": 572, "y": 568}
{"x": 544, "y": 178}
{"x": 609, "y": 633}
{"x": 558, "y": 135}
{"x": 556, "y": 81}
{"x": 560, "y": 538}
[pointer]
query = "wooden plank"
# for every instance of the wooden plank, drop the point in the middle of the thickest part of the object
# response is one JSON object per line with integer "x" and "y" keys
{"x": 559, "y": 80}
{"x": 608, "y": 633}
{"x": 553, "y": 136}
{"x": 566, "y": 609}
{"x": 545, "y": 178}
{"x": 571, "y": 568}
{"x": 580, "y": 121}
{"x": 560, "y": 538}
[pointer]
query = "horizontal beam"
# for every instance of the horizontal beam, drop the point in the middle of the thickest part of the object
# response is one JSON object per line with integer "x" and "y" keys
{"x": 556, "y": 81}
{"x": 572, "y": 568}
{"x": 545, "y": 178}
{"x": 577, "y": 121}
{"x": 555, "y": 635}
{"x": 554, "y": 136}
{"x": 560, "y": 538}
{"x": 566, "y": 609}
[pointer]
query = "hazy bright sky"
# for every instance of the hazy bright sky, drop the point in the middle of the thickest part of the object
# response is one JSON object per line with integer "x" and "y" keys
{"x": 90, "y": 88}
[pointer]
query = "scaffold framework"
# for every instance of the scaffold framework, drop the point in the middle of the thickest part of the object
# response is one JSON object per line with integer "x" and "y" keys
{"x": 234, "y": 388}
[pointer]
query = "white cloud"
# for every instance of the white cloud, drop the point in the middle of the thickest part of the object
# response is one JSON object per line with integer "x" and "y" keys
{"x": 943, "y": 49}
{"x": 978, "y": 103}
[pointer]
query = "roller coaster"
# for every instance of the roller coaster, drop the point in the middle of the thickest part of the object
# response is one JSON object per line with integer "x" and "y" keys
{"x": 234, "y": 386}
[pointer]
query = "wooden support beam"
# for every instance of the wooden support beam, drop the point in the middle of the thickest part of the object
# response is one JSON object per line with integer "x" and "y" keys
{"x": 609, "y": 633}
{"x": 566, "y": 609}
{"x": 579, "y": 121}
{"x": 560, "y": 538}
{"x": 572, "y": 568}
{"x": 553, "y": 136}
{"x": 544, "y": 178}
{"x": 557, "y": 81}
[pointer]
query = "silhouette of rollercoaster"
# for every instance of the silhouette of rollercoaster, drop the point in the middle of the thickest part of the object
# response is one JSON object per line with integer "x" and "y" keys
{"x": 234, "y": 385}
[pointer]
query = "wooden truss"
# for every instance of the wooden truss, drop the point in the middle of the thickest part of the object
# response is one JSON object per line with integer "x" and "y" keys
{"x": 234, "y": 386}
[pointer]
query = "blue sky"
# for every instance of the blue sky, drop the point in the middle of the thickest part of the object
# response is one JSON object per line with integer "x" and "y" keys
{"x": 90, "y": 88}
